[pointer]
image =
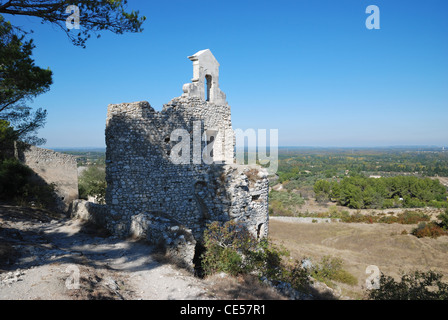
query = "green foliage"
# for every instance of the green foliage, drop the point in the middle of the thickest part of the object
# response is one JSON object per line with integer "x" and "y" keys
{"x": 20, "y": 81}
{"x": 322, "y": 189}
{"x": 230, "y": 248}
{"x": 368, "y": 193}
{"x": 330, "y": 269}
{"x": 444, "y": 220}
{"x": 284, "y": 203}
{"x": 329, "y": 163}
{"x": 7, "y": 138}
{"x": 95, "y": 16}
{"x": 415, "y": 286}
{"x": 226, "y": 246}
{"x": 92, "y": 182}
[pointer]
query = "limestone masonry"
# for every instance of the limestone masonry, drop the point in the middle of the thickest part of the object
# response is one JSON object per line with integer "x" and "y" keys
{"x": 170, "y": 173}
{"x": 53, "y": 168}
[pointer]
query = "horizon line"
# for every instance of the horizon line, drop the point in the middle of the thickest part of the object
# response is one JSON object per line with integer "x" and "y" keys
{"x": 283, "y": 147}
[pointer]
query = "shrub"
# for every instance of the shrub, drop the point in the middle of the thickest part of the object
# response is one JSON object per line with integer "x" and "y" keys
{"x": 226, "y": 247}
{"x": 230, "y": 248}
{"x": 92, "y": 182}
{"x": 388, "y": 203}
{"x": 330, "y": 269}
{"x": 444, "y": 220}
{"x": 284, "y": 203}
{"x": 412, "y": 217}
{"x": 431, "y": 229}
{"x": 415, "y": 286}
{"x": 407, "y": 217}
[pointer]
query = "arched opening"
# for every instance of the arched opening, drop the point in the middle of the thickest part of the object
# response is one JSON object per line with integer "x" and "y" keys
{"x": 199, "y": 250}
{"x": 208, "y": 86}
{"x": 260, "y": 230}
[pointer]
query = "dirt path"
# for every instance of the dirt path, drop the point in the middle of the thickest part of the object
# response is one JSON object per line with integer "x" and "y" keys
{"x": 51, "y": 258}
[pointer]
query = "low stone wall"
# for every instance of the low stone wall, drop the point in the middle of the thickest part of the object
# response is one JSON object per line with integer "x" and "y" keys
{"x": 53, "y": 168}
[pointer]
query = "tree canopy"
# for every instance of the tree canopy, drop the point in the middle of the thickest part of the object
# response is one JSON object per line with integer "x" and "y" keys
{"x": 401, "y": 191}
{"x": 94, "y": 15}
{"x": 20, "y": 79}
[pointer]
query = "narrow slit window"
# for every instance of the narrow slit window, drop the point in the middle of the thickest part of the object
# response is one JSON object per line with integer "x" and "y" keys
{"x": 208, "y": 86}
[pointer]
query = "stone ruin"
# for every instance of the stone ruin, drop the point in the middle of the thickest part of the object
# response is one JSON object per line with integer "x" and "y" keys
{"x": 49, "y": 168}
{"x": 152, "y": 195}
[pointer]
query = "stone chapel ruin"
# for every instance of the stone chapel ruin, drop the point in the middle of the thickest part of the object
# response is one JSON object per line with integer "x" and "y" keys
{"x": 152, "y": 196}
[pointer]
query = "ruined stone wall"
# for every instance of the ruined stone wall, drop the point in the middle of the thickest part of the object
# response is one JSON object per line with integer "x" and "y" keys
{"x": 143, "y": 181}
{"x": 53, "y": 168}
{"x": 152, "y": 195}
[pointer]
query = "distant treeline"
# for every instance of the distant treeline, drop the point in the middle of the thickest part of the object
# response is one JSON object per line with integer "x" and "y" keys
{"x": 88, "y": 157}
{"x": 293, "y": 166}
{"x": 359, "y": 192}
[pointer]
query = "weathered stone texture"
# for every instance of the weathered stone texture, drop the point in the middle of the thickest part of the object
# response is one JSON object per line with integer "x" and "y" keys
{"x": 151, "y": 196}
{"x": 53, "y": 168}
{"x": 141, "y": 177}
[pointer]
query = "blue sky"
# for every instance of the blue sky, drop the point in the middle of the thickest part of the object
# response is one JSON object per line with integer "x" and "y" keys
{"x": 308, "y": 68}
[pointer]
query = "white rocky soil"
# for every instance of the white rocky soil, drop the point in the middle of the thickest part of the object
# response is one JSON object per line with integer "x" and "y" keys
{"x": 58, "y": 259}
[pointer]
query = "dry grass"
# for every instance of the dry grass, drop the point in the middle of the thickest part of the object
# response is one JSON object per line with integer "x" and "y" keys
{"x": 361, "y": 245}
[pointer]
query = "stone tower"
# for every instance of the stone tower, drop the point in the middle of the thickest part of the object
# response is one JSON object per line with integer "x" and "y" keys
{"x": 205, "y": 82}
{"x": 151, "y": 196}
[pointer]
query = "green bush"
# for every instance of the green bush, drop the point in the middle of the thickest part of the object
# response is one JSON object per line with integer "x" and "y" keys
{"x": 330, "y": 269}
{"x": 415, "y": 286}
{"x": 230, "y": 248}
{"x": 225, "y": 246}
{"x": 92, "y": 182}
{"x": 284, "y": 203}
{"x": 444, "y": 220}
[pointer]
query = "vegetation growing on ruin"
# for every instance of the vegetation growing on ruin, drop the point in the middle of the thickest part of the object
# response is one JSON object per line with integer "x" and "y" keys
{"x": 230, "y": 248}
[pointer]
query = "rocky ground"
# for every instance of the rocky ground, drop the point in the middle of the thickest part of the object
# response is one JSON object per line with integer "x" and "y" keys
{"x": 44, "y": 256}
